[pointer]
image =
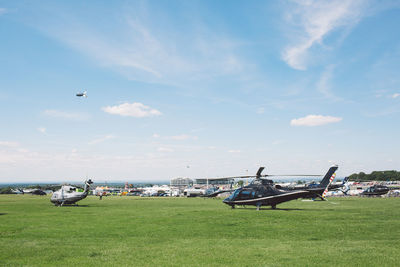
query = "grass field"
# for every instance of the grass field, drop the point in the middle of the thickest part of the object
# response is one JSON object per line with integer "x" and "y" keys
{"x": 194, "y": 231}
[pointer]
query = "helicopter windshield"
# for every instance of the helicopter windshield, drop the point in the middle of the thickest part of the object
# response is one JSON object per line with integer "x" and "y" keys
{"x": 234, "y": 195}
{"x": 241, "y": 194}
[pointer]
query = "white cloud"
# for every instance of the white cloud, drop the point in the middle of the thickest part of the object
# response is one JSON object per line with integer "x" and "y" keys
{"x": 316, "y": 20}
{"x": 156, "y": 135}
{"x": 233, "y": 151}
{"x": 137, "y": 110}
{"x": 3, "y": 10}
{"x": 42, "y": 130}
{"x": 9, "y": 144}
{"x": 66, "y": 115}
{"x": 101, "y": 139}
{"x": 314, "y": 120}
{"x": 395, "y": 95}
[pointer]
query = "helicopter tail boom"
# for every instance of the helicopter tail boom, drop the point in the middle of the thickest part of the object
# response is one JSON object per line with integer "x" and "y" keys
{"x": 327, "y": 178}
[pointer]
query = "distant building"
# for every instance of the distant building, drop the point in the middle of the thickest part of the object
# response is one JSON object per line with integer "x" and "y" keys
{"x": 181, "y": 182}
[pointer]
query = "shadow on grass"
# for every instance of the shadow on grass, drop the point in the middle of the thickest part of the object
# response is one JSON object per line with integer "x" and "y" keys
{"x": 281, "y": 209}
{"x": 74, "y": 206}
{"x": 3, "y": 214}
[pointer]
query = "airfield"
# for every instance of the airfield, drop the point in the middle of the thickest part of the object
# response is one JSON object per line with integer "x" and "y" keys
{"x": 198, "y": 232}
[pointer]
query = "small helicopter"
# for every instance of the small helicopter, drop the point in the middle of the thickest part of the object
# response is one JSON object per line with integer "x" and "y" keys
{"x": 375, "y": 190}
{"x": 36, "y": 191}
{"x": 263, "y": 192}
{"x": 69, "y": 194}
{"x": 332, "y": 186}
{"x": 84, "y": 94}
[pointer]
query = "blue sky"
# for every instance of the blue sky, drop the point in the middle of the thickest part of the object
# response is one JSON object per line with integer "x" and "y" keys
{"x": 197, "y": 88}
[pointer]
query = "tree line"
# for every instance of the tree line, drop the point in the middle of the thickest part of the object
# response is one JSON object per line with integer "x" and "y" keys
{"x": 376, "y": 176}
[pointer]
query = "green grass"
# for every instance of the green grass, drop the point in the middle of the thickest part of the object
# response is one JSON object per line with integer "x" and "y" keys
{"x": 194, "y": 231}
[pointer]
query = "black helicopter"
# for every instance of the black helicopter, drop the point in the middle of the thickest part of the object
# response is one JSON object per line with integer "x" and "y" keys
{"x": 262, "y": 192}
{"x": 375, "y": 190}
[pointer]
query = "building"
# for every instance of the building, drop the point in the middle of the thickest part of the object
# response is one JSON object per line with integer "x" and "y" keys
{"x": 181, "y": 182}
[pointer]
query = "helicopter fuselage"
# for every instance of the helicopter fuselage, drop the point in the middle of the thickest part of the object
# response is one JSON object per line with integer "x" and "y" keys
{"x": 69, "y": 194}
{"x": 259, "y": 194}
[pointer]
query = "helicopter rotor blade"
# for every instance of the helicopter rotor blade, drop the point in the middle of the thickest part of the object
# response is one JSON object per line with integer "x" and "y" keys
{"x": 305, "y": 175}
{"x": 262, "y": 175}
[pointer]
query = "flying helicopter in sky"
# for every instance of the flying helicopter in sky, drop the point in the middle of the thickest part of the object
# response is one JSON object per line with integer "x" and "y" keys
{"x": 80, "y": 94}
{"x": 70, "y": 194}
{"x": 262, "y": 192}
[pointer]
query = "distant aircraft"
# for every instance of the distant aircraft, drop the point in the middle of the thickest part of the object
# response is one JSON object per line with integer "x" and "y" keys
{"x": 38, "y": 192}
{"x": 30, "y": 191}
{"x": 69, "y": 194}
{"x": 210, "y": 193}
{"x": 344, "y": 187}
{"x": 314, "y": 188}
{"x": 84, "y": 94}
{"x": 376, "y": 190}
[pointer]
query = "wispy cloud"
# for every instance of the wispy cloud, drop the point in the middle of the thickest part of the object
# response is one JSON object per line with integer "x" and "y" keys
{"x": 42, "y": 130}
{"x": 101, "y": 139}
{"x": 183, "y": 137}
{"x": 66, "y": 115}
{"x": 316, "y": 19}
{"x": 278, "y": 142}
{"x": 165, "y": 149}
{"x": 323, "y": 84}
{"x": 314, "y": 120}
{"x": 3, "y": 10}
{"x": 9, "y": 144}
{"x": 180, "y": 137}
{"x": 235, "y": 151}
{"x": 385, "y": 111}
{"x": 395, "y": 95}
{"x": 260, "y": 110}
{"x": 137, "y": 110}
{"x": 140, "y": 49}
